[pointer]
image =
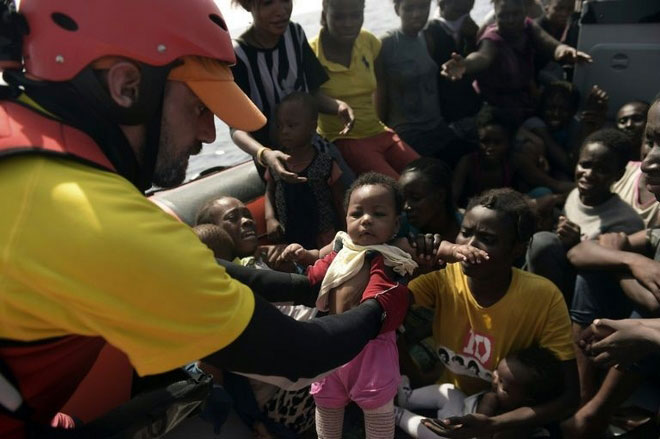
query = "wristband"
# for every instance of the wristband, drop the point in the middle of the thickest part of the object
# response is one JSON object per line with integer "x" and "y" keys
{"x": 260, "y": 156}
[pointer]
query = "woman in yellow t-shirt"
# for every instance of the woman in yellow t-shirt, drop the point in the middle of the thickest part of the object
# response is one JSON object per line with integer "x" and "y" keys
{"x": 483, "y": 312}
{"x": 349, "y": 55}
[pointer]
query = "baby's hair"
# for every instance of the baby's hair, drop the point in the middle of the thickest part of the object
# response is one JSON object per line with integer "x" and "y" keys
{"x": 548, "y": 381}
{"x": 438, "y": 174}
{"x": 614, "y": 140}
{"x": 514, "y": 205}
{"x": 215, "y": 238}
{"x": 376, "y": 179}
{"x": 564, "y": 88}
{"x": 308, "y": 102}
{"x": 489, "y": 115}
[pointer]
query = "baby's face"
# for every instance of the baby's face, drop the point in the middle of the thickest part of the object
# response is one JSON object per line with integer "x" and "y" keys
{"x": 371, "y": 217}
{"x": 508, "y": 384}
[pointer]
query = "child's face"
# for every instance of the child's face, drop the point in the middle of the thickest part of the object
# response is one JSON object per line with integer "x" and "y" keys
{"x": 371, "y": 217}
{"x": 454, "y": 9}
{"x": 295, "y": 127}
{"x": 558, "y": 11}
{"x": 413, "y": 15}
{"x": 344, "y": 19}
{"x": 510, "y": 17}
{"x": 596, "y": 170}
{"x": 236, "y": 220}
{"x": 422, "y": 201}
{"x": 651, "y": 163}
{"x": 557, "y": 111}
{"x": 493, "y": 143}
{"x": 494, "y": 233}
{"x": 631, "y": 119}
{"x": 508, "y": 384}
{"x": 272, "y": 16}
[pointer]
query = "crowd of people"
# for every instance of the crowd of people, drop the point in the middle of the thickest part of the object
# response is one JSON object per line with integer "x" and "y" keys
{"x": 457, "y": 243}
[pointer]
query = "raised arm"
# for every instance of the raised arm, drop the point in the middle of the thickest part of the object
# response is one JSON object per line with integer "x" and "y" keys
{"x": 546, "y": 43}
{"x": 475, "y": 62}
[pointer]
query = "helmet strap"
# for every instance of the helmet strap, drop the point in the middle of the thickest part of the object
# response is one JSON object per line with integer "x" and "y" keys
{"x": 84, "y": 103}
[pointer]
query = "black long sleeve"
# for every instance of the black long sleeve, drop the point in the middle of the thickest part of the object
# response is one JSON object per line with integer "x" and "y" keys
{"x": 275, "y": 344}
{"x": 274, "y": 286}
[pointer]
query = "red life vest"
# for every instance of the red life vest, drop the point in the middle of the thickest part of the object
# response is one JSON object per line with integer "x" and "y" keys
{"x": 46, "y": 373}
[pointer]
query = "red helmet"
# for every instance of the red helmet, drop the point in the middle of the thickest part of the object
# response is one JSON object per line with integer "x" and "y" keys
{"x": 67, "y": 35}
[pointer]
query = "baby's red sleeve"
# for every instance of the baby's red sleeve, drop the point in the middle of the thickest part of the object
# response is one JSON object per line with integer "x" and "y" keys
{"x": 393, "y": 297}
{"x": 315, "y": 273}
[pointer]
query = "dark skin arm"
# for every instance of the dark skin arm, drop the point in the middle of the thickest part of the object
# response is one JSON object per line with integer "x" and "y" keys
{"x": 475, "y": 62}
{"x": 547, "y": 44}
{"x": 611, "y": 251}
{"x": 641, "y": 296}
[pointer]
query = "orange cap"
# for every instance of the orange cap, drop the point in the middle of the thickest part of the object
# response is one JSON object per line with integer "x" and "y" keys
{"x": 213, "y": 83}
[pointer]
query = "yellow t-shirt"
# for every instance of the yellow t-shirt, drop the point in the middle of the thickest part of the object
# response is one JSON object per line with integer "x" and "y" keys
{"x": 354, "y": 85}
{"x": 83, "y": 252}
{"x": 471, "y": 340}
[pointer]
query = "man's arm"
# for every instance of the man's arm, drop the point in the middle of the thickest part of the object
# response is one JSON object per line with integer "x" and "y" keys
{"x": 593, "y": 256}
{"x": 275, "y": 344}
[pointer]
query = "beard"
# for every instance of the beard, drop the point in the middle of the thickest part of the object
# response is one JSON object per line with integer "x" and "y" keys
{"x": 171, "y": 162}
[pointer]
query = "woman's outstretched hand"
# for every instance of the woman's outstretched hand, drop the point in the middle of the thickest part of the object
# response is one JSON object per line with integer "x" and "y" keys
{"x": 570, "y": 55}
{"x": 454, "y": 69}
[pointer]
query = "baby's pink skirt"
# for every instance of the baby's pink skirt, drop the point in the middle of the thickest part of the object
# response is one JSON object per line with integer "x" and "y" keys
{"x": 370, "y": 379}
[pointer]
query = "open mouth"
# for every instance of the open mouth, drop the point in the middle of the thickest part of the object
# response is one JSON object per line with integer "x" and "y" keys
{"x": 248, "y": 234}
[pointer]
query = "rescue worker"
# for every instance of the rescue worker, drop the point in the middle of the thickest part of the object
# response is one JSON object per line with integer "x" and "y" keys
{"x": 105, "y": 98}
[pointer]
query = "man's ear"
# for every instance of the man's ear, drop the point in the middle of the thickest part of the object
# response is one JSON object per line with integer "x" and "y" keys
{"x": 123, "y": 80}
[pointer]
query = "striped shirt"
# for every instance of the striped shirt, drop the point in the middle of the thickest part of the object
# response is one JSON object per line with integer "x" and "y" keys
{"x": 268, "y": 75}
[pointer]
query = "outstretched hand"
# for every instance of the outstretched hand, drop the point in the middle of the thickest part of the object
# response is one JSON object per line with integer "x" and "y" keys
{"x": 455, "y": 68}
{"x": 276, "y": 161}
{"x": 570, "y": 55}
{"x": 431, "y": 250}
